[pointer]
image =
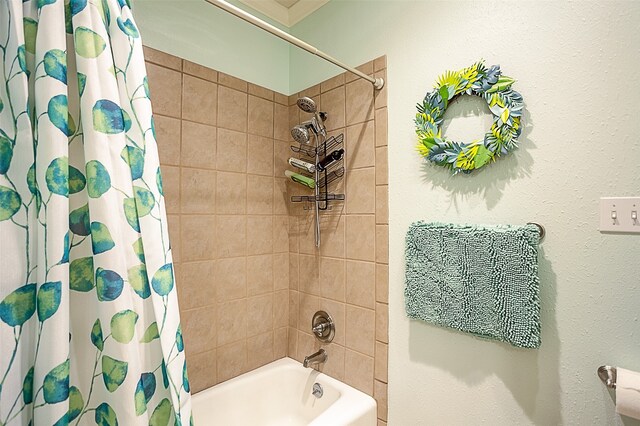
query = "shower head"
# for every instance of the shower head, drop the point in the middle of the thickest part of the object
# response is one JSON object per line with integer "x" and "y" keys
{"x": 316, "y": 124}
{"x": 307, "y": 105}
{"x": 300, "y": 134}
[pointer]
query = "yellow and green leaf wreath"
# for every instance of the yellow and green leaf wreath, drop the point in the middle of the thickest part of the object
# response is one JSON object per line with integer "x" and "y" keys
{"x": 505, "y": 104}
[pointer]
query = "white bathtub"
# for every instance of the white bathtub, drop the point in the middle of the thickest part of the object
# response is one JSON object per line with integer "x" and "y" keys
{"x": 280, "y": 394}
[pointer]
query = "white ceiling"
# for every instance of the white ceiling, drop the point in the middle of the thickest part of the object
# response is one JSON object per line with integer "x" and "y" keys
{"x": 286, "y": 12}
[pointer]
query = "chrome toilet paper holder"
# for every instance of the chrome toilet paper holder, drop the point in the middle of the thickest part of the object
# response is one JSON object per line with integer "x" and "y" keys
{"x": 608, "y": 375}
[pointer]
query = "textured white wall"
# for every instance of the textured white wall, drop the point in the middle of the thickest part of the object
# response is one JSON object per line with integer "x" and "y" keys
{"x": 578, "y": 66}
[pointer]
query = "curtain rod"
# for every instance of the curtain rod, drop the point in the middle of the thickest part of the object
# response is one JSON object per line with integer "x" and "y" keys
{"x": 378, "y": 83}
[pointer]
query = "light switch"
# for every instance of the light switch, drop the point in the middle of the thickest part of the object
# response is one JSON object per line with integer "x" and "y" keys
{"x": 619, "y": 214}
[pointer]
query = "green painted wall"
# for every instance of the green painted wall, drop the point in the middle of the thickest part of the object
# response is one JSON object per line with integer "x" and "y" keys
{"x": 202, "y": 33}
{"x": 346, "y": 30}
{"x": 575, "y": 64}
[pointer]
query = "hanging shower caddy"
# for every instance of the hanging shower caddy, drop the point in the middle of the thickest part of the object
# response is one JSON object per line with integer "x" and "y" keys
{"x": 332, "y": 173}
{"x": 324, "y": 146}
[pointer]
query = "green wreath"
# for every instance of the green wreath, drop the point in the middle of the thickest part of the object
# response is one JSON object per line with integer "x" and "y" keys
{"x": 505, "y": 104}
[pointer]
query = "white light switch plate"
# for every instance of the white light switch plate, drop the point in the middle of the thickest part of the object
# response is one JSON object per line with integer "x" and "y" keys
{"x": 617, "y": 214}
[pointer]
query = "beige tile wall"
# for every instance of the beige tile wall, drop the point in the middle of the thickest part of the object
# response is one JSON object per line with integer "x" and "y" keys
{"x": 228, "y": 216}
{"x": 348, "y": 276}
{"x": 249, "y": 277}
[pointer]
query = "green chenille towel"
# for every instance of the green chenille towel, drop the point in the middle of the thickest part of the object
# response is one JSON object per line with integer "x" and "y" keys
{"x": 481, "y": 280}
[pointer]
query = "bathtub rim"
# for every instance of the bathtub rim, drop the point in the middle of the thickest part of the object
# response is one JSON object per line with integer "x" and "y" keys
{"x": 351, "y": 405}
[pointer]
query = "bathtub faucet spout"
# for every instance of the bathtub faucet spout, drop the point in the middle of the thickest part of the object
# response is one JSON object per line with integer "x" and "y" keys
{"x": 315, "y": 358}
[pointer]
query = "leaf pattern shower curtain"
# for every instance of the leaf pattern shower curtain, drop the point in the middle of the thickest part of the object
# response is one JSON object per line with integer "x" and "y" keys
{"x": 89, "y": 320}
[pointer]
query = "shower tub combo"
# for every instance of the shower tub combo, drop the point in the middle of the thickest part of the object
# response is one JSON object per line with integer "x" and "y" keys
{"x": 283, "y": 393}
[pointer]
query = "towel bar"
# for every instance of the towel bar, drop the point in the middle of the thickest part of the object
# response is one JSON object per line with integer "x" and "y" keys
{"x": 541, "y": 229}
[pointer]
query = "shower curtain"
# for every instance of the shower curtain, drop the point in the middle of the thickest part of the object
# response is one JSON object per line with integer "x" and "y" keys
{"x": 89, "y": 321}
